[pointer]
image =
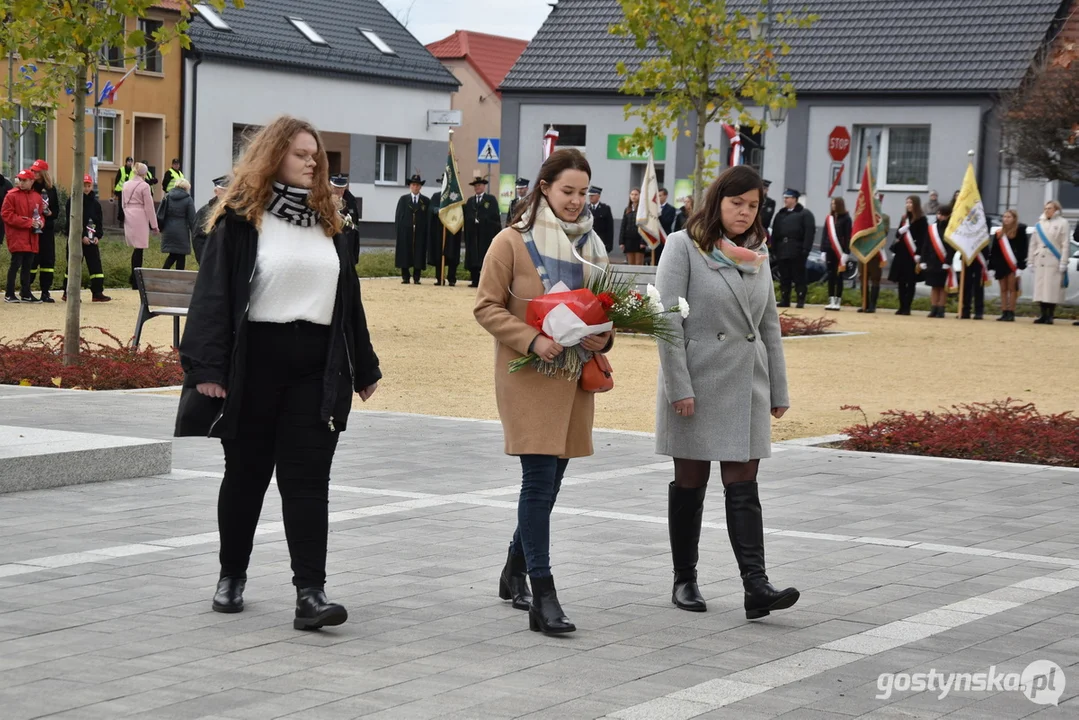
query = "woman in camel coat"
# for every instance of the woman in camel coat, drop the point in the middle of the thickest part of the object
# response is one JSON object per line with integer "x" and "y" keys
{"x": 140, "y": 217}
{"x": 546, "y": 420}
{"x": 1049, "y": 268}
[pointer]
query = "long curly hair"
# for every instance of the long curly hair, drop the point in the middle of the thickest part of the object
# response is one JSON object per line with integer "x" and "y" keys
{"x": 252, "y": 184}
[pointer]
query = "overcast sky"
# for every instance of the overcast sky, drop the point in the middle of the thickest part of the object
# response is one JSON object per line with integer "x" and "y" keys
{"x": 431, "y": 20}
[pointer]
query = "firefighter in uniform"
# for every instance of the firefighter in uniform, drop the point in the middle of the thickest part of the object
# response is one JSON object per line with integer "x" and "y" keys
{"x": 92, "y": 223}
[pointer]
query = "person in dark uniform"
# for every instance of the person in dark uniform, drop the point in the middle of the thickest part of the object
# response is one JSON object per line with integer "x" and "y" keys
{"x": 339, "y": 184}
{"x": 910, "y": 239}
{"x": 521, "y": 187}
{"x": 684, "y": 212}
{"x": 874, "y": 269}
{"x": 1008, "y": 260}
{"x": 482, "y": 222}
{"x": 976, "y": 277}
{"x": 602, "y": 217}
{"x": 122, "y": 176}
{"x": 936, "y": 262}
{"x": 435, "y": 244}
{"x": 667, "y": 214}
{"x": 793, "y": 232}
{"x": 768, "y": 208}
{"x": 413, "y": 214}
{"x": 629, "y": 239}
{"x": 835, "y": 244}
{"x": 45, "y": 260}
{"x": 92, "y": 224}
{"x": 199, "y": 237}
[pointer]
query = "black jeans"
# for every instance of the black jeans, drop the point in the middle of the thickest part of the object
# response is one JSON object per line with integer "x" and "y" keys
{"x": 541, "y": 479}
{"x": 21, "y": 263}
{"x": 973, "y": 290}
{"x": 280, "y": 426}
{"x": 835, "y": 278}
{"x": 92, "y": 255}
{"x": 792, "y": 271}
{"x": 177, "y": 259}
{"x": 45, "y": 260}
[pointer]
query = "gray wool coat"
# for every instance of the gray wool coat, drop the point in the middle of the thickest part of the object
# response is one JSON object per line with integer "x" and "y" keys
{"x": 727, "y": 355}
{"x": 176, "y": 218}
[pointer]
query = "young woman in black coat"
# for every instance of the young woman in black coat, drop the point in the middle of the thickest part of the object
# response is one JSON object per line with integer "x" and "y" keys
{"x": 835, "y": 244}
{"x": 911, "y": 237}
{"x": 1007, "y": 260}
{"x": 276, "y": 343}
{"x": 936, "y": 264}
{"x": 629, "y": 240}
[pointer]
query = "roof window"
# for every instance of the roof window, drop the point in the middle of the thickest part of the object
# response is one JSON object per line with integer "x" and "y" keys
{"x": 210, "y": 15}
{"x": 375, "y": 40}
{"x": 307, "y": 30}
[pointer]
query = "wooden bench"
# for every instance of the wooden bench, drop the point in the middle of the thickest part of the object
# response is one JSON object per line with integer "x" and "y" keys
{"x": 645, "y": 274}
{"x": 163, "y": 292}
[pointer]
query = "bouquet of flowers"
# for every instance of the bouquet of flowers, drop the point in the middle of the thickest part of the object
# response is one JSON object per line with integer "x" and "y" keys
{"x": 568, "y": 316}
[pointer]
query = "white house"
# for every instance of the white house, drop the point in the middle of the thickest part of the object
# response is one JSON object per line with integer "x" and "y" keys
{"x": 348, "y": 67}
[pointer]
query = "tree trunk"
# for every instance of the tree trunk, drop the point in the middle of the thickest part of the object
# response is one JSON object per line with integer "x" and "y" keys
{"x": 698, "y": 148}
{"x": 9, "y": 124}
{"x": 74, "y": 224}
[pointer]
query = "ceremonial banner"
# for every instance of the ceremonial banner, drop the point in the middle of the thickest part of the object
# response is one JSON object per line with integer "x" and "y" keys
{"x": 451, "y": 204}
{"x": 867, "y": 235}
{"x": 968, "y": 232}
{"x": 648, "y": 224}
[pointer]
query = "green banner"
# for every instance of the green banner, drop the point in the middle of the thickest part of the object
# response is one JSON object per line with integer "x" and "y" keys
{"x": 682, "y": 188}
{"x": 659, "y": 150}
{"x": 507, "y": 190}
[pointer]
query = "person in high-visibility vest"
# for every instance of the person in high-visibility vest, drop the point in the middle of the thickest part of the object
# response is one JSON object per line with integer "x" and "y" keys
{"x": 172, "y": 176}
{"x": 122, "y": 176}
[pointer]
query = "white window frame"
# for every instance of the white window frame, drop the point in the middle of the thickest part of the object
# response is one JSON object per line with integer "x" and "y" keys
{"x": 379, "y": 43}
{"x": 307, "y": 31}
{"x": 381, "y": 147}
{"x": 117, "y": 137}
{"x": 142, "y": 52}
{"x": 854, "y": 177}
{"x": 21, "y": 161}
{"x": 211, "y": 17}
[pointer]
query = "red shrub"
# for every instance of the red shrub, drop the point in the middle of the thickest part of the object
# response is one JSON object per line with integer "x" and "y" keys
{"x": 38, "y": 360}
{"x": 794, "y": 326}
{"x": 1002, "y": 430}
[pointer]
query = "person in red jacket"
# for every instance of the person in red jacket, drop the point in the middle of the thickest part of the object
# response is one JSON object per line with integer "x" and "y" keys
{"x": 23, "y": 220}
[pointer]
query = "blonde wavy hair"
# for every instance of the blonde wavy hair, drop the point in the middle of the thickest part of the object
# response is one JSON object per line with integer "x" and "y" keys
{"x": 46, "y": 179}
{"x": 252, "y": 182}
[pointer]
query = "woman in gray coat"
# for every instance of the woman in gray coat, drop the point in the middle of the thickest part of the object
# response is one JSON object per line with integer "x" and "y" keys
{"x": 176, "y": 218}
{"x": 721, "y": 381}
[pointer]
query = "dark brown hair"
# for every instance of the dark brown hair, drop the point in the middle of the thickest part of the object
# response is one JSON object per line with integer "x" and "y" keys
{"x": 840, "y": 206}
{"x": 916, "y": 212}
{"x": 629, "y": 202}
{"x": 559, "y": 162}
{"x": 705, "y": 226}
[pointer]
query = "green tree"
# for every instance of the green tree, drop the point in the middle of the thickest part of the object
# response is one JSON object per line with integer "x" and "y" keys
{"x": 63, "y": 38}
{"x": 705, "y": 59}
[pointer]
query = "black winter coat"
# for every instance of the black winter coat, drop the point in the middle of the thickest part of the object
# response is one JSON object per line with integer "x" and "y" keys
{"x": 1020, "y": 244}
{"x": 628, "y": 236}
{"x": 842, "y": 231}
{"x": 935, "y": 275}
{"x": 902, "y": 265}
{"x": 768, "y": 211}
{"x": 91, "y": 213}
{"x": 214, "y": 345}
{"x": 199, "y": 237}
{"x": 793, "y": 233}
{"x": 603, "y": 224}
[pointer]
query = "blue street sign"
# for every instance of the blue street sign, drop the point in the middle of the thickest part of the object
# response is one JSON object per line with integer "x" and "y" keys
{"x": 487, "y": 151}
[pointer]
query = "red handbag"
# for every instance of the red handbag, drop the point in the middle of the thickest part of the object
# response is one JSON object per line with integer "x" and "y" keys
{"x": 597, "y": 375}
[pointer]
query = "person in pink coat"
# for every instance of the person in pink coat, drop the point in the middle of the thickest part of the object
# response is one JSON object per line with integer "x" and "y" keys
{"x": 140, "y": 216}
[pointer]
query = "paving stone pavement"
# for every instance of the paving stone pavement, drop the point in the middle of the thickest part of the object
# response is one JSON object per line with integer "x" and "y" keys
{"x": 906, "y": 565}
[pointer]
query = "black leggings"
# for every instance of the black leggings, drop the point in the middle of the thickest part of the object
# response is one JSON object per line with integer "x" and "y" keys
{"x": 177, "y": 259}
{"x": 136, "y": 262}
{"x": 835, "y": 280}
{"x": 906, "y": 293}
{"x": 20, "y": 266}
{"x": 695, "y": 473}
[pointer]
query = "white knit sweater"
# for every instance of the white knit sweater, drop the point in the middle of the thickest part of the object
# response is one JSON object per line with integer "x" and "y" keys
{"x": 295, "y": 274}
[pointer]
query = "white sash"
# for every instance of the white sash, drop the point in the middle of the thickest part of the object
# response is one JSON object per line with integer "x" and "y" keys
{"x": 829, "y": 225}
{"x": 1006, "y": 250}
{"x": 941, "y": 253}
{"x": 904, "y": 232}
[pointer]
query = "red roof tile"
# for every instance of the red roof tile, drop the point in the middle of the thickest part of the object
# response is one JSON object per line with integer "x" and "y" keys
{"x": 491, "y": 55}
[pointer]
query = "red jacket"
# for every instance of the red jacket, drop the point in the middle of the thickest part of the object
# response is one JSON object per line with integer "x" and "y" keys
{"x": 18, "y": 212}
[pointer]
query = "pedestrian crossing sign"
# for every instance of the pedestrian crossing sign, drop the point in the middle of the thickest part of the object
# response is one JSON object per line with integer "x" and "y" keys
{"x": 487, "y": 152}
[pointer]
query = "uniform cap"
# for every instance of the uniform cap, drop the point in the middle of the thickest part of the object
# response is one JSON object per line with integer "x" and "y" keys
{"x": 595, "y": 190}
{"x": 522, "y": 182}
{"x": 339, "y": 181}
{"x": 789, "y": 192}
{"x": 39, "y": 166}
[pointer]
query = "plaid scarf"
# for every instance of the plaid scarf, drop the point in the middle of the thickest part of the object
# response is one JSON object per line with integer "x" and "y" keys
{"x": 290, "y": 204}
{"x": 563, "y": 251}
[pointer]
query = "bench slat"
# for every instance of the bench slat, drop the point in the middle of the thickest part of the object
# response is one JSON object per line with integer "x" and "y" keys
{"x": 168, "y": 299}
{"x": 179, "y": 312}
{"x": 174, "y": 285}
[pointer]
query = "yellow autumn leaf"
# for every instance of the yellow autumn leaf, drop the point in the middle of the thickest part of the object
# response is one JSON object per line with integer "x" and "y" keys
{"x": 57, "y": 381}
{"x": 25, "y": 382}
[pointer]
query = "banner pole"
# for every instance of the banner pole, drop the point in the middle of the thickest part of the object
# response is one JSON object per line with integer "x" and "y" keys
{"x": 442, "y": 277}
{"x": 962, "y": 289}
{"x": 653, "y": 257}
{"x": 865, "y": 284}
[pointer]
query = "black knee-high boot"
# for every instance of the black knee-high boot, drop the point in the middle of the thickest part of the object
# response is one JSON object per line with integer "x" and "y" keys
{"x": 745, "y": 527}
{"x": 685, "y": 508}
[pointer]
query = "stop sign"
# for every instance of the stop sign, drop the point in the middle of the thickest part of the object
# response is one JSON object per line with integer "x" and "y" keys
{"x": 839, "y": 143}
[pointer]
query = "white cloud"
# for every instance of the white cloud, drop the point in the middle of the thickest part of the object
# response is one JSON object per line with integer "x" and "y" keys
{"x": 431, "y": 20}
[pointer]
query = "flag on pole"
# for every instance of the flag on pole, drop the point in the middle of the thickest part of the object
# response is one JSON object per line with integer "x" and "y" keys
{"x": 109, "y": 91}
{"x": 734, "y": 137}
{"x": 967, "y": 231}
{"x": 648, "y": 224}
{"x": 451, "y": 203}
{"x": 867, "y": 236}
{"x": 550, "y": 139}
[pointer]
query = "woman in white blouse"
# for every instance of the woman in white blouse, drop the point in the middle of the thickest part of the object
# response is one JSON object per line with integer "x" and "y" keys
{"x": 276, "y": 343}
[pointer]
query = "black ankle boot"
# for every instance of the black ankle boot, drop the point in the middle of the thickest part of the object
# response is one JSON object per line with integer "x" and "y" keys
{"x": 314, "y": 610}
{"x": 685, "y": 508}
{"x": 746, "y": 530}
{"x": 229, "y": 597}
{"x": 545, "y": 614}
{"x": 874, "y": 295}
{"x": 801, "y": 300}
{"x": 513, "y": 585}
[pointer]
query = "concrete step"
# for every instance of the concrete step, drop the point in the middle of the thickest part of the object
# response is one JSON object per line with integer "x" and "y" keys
{"x": 33, "y": 459}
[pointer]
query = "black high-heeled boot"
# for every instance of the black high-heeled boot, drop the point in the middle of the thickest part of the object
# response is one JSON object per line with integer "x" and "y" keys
{"x": 745, "y": 527}
{"x": 314, "y": 610}
{"x": 545, "y": 614}
{"x": 685, "y": 508}
{"x": 513, "y": 584}
{"x": 229, "y": 597}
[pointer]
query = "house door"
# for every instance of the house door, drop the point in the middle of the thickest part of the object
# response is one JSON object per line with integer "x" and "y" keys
{"x": 149, "y": 143}
{"x": 636, "y": 174}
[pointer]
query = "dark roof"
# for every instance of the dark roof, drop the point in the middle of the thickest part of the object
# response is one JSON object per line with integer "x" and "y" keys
{"x": 261, "y": 35}
{"x": 856, "y": 46}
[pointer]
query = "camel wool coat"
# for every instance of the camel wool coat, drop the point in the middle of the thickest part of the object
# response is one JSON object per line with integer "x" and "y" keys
{"x": 1048, "y": 274}
{"x": 540, "y": 415}
{"x": 727, "y": 355}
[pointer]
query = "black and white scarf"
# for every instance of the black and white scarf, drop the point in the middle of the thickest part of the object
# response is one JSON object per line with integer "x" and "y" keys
{"x": 290, "y": 204}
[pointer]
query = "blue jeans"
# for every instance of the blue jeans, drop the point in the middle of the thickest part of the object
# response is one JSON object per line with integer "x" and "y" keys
{"x": 541, "y": 479}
